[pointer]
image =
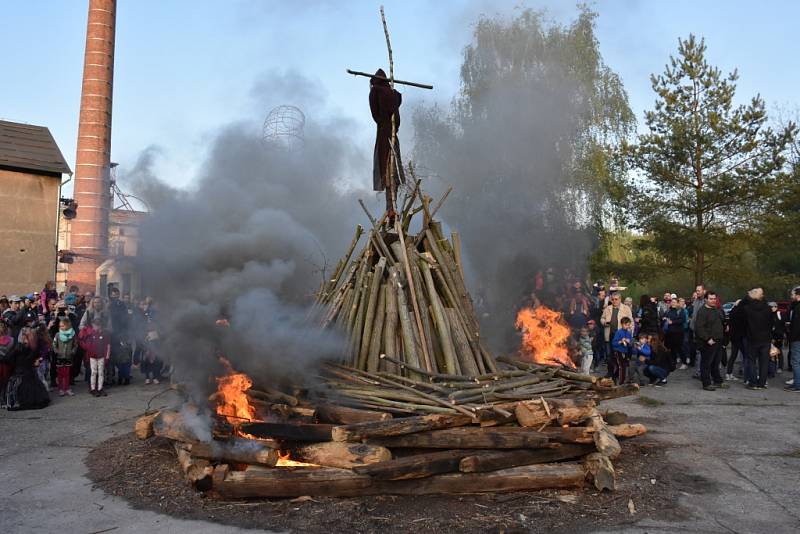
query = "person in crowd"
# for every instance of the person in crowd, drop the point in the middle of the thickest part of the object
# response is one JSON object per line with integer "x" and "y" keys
{"x": 585, "y": 342}
{"x": 65, "y": 346}
{"x": 648, "y": 315}
{"x": 611, "y": 319}
{"x": 119, "y": 320}
{"x": 579, "y": 307}
{"x": 759, "y": 335}
{"x": 778, "y": 333}
{"x": 793, "y": 337}
{"x": 673, "y": 331}
{"x": 49, "y": 292}
{"x": 664, "y": 306}
{"x": 621, "y": 347}
{"x": 95, "y": 311}
{"x": 151, "y": 363}
{"x": 24, "y": 390}
{"x": 599, "y": 302}
{"x": 661, "y": 364}
{"x": 7, "y": 343}
{"x": 640, "y": 360}
{"x": 698, "y": 301}
{"x": 14, "y": 316}
{"x": 737, "y": 328}
{"x": 95, "y": 342}
{"x": 709, "y": 332}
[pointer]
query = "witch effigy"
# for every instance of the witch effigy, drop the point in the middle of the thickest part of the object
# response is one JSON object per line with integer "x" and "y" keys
{"x": 387, "y": 173}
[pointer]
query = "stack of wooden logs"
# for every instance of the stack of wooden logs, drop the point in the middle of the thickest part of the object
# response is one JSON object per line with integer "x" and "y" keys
{"x": 537, "y": 444}
{"x": 404, "y": 296}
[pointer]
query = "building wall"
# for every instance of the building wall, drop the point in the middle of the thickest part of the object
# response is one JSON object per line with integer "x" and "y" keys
{"x": 30, "y": 206}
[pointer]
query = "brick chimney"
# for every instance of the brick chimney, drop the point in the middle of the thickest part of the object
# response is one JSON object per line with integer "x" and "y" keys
{"x": 89, "y": 230}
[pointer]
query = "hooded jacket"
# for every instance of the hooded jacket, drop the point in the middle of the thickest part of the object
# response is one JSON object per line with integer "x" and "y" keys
{"x": 759, "y": 321}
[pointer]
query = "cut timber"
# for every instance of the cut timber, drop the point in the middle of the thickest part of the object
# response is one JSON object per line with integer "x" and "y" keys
{"x": 144, "y": 426}
{"x": 273, "y": 395}
{"x": 416, "y": 466}
{"x": 573, "y": 434}
{"x": 607, "y": 444}
{"x": 468, "y": 438}
{"x": 198, "y": 472}
{"x": 484, "y": 461}
{"x": 294, "y": 432}
{"x": 339, "y": 415}
{"x": 628, "y": 430}
{"x": 600, "y": 471}
{"x": 173, "y": 425}
{"x": 238, "y": 451}
{"x": 257, "y": 482}
{"x": 536, "y": 413}
{"x": 398, "y": 427}
{"x": 342, "y": 455}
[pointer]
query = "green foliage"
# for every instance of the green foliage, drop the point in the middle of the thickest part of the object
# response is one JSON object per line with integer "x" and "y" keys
{"x": 705, "y": 172}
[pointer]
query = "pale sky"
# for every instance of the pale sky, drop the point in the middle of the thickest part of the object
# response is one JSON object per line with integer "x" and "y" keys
{"x": 185, "y": 68}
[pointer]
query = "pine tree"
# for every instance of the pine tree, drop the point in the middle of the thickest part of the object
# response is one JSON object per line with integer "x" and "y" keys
{"x": 706, "y": 169}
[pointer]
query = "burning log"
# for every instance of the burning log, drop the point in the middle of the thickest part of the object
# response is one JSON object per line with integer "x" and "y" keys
{"x": 330, "y": 413}
{"x": 273, "y": 395}
{"x": 397, "y": 427}
{"x": 484, "y": 461}
{"x": 293, "y": 432}
{"x": 257, "y": 482}
{"x": 238, "y": 451}
{"x": 342, "y": 455}
{"x": 173, "y": 425}
{"x": 468, "y": 438}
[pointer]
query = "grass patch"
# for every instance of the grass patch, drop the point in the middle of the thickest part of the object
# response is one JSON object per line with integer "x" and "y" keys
{"x": 794, "y": 454}
{"x": 644, "y": 400}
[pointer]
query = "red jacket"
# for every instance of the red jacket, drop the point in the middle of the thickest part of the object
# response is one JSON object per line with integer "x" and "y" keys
{"x": 95, "y": 343}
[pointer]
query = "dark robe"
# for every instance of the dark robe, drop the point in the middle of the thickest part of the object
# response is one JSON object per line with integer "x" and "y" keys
{"x": 384, "y": 102}
{"x": 24, "y": 390}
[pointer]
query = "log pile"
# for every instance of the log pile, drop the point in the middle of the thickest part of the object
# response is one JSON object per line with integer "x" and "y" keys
{"x": 404, "y": 296}
{"x": 417, "y": 406}
{"x": 330, "y": 450}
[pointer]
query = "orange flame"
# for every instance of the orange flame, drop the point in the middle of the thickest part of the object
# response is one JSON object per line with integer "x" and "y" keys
{"x": 544, "y": 336}
{"x": 232, "y": 402}
{"x": 284, "y": 461}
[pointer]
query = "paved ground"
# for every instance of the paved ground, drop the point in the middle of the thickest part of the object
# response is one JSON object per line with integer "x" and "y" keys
{"x": 738, "y": 451}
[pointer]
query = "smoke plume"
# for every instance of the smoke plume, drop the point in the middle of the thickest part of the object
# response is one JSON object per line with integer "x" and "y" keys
{"x": 249, "y": 243}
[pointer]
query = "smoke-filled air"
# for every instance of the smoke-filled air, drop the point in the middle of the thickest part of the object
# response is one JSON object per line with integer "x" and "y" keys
{"x": 250, "y": 242}
{"x": 521, "y": 146}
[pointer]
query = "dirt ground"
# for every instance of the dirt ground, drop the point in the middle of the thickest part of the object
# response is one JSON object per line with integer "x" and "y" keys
{"x": 146, "y": 475}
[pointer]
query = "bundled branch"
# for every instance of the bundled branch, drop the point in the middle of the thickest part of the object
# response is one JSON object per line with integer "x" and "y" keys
{"x": 404, "y": 296}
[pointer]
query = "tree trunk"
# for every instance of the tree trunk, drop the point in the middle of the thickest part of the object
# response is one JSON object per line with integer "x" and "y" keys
{"x": 468, "y": 438}
{"x": 397, "y": 427}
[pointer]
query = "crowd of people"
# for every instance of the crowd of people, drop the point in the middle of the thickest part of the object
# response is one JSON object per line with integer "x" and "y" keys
{"x": 645, "y": 342}
{"x": 47, "y": 340}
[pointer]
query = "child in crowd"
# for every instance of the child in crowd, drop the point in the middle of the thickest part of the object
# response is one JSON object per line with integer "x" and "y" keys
{"x": 587, "y": 355}
{"x": 643, "y": 353}
{"x": 65, "y": 345}
{"x": 621, "y": 347}
{"x": 96, "y": 344}
{"x": 151, "y": 364}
